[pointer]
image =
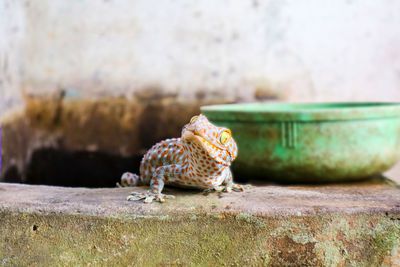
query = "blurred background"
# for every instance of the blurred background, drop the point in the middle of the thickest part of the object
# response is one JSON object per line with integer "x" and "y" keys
{"x": 86, "y": 86}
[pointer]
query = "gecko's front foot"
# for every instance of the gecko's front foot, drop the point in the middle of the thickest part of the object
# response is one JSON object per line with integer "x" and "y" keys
{"x": 148, "y": 196}
{"x": 227, "y": 188}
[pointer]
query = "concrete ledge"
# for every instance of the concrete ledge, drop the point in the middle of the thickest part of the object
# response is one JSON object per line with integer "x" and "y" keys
{"x": 331, "y": 225}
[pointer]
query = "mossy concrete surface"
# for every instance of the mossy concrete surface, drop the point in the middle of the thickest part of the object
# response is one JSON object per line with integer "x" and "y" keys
{"x": 336, "y": 225}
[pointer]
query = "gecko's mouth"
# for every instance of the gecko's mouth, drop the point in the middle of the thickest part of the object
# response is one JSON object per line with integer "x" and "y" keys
{"x": 190, "y": 136}
{"x": 198, "y": 139}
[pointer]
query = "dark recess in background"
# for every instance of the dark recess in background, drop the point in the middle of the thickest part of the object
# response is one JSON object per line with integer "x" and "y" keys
{"x": 76, "y": 169}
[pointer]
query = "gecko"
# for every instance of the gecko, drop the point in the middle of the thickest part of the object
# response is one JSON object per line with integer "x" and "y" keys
{"x": 200, "y": 158}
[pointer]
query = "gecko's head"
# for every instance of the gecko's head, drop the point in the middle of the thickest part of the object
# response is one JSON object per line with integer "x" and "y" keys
{"x": 201, "y": 136}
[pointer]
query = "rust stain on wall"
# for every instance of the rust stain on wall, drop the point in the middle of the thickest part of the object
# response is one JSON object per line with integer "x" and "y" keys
{"x": 111, "y": 130}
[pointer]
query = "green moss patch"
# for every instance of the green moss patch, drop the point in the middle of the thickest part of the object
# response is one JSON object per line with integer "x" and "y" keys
{"x": 72, "y": 240}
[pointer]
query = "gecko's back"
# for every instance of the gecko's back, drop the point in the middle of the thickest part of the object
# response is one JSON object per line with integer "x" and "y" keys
{"x": 167, "y": 152}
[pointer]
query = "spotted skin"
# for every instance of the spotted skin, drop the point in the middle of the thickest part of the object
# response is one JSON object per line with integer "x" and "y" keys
{"x": 200, "y": 158}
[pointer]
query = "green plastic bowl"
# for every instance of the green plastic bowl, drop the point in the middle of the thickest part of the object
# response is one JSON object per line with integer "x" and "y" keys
{"x": 328, "y": 142}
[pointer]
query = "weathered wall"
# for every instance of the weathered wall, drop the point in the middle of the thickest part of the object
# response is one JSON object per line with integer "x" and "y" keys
{"x": 296, "y": 50}
{"x": 116, "y": 76}
{"x": 12, "y": 33}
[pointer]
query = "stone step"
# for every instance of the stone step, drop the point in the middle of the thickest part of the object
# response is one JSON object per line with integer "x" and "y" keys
{"x": 267, "y": 225}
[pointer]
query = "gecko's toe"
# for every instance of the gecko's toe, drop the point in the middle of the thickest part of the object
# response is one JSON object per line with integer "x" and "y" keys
{"x": 136, "y": 196}
{"x": 237, "y": 188}
{"x": 160, "y": 199}
{"x": 149, "y": 199}
{"x": 219, "y": 189}
{"x": 148, "y": 196}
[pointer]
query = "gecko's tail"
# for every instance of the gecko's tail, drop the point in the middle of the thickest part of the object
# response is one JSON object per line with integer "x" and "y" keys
{"x": 129, "y": 179}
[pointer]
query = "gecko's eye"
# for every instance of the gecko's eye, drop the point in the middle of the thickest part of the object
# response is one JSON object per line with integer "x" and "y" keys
{"x": 225, "y": 136}
{"x": 193, "y": 119}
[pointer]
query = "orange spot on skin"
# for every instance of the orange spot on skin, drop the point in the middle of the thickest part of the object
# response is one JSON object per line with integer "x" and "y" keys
{"x": 209, "y": 182}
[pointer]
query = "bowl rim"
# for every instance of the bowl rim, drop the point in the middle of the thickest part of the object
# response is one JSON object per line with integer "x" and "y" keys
{"x": 321, "y": 111}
